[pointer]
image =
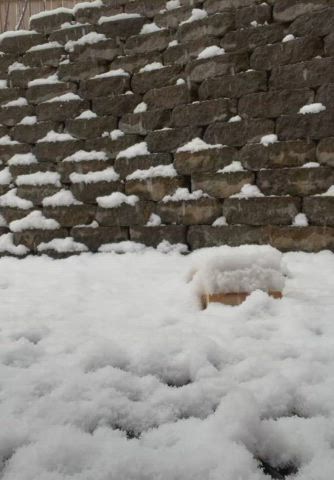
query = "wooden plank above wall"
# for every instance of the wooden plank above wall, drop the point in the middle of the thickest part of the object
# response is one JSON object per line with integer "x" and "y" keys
{"x": 11, "y": 11}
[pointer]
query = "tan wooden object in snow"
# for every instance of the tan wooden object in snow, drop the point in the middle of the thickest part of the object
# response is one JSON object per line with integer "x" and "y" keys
{"x": 232, "y": 299}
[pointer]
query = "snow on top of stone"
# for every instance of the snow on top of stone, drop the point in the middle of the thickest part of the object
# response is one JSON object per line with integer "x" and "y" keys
{"x": 197, "y": 145}
{"x": 10, "y": 199}
{"x": 312, "y": 108}
{"x": 196, "y": 14}
{"x": 240, "y": 270}
{"x": 94, "y": 224}
{"x": 212, "y": 51}
{"x": 119, "y": 72}
{"x": 55, "y": 11}
{"x": 63, "y": 198}
{"x": 86, "y": 115}
{"x": 89, "y": 39}
{"x": 52, "y": 79}
{"x": 39, "y": 178}
{"x": 235, "y": 166}
{"x": 140, "y": 108}
{"x": 66, "y": 97}
{"x": 311, "y": 165}
{"x": 180, "y": 81}
{"x": 7, "y": 245}
{"x": 117, "y": 199}
{"x": 220, "y": 222}
{"x": 29, "y": 120}
{"x": 22, "y": 159}
{"x": 183, "y": 195}
{"x": 150, "y": 67}
{"x": 6, "y": 140}
{"x": 16, "y": 33}
{"x": 173, "y": 4}
{"x": 62, "y": 245}
{"x": 17, "y": 66}
{"x": 34, "y": 221}
{"x": 45, "y": 46}
{"x": 115, "y": 134}
{"x": 3, "y": 84}
{"x": 166, "y": 247}
{"x": 107, "y": 175}
{"x": 83, "y": 5}
{"x": 84, "y": 156}
{"x": 173, "y": 43}
{"x": 153, "y": 221}
{"x": 150, "y": 28}
{"x": 127, "y": 246}
{"x": 5, "y": 176}
{"x": 53, "y": 137}
{"x": 300, "y": 220}
{"x": 158, "y": 171}
{"x": 137, "y": 150}
{"x": 267, "y": 140}
{"x": 288, "y": 38}
{"x": 119, "y": 16}
{"x": 3, "y": 222}
{"x": 18, "y": 102}
{"x": 329, "y": 193}
{"x": 234, "y": 119}
{"x": 248, "y": 191}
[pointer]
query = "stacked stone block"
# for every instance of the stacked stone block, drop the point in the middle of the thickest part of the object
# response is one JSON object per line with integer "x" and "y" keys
{"x": 155, "y": 75}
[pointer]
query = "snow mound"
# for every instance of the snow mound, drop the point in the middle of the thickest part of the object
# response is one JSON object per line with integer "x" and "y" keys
{"x": 235, "y": 166}
{"x": 197, "y": 145}
{"x": 62, "y": 245}
{"x": 52, "y": 79}
{"x": 86, "y": 115}
{"x": 183, "y": 195}
{"x": 7, "y": 246}
{"x": 196, "y": 14}
{"x": 89, "y": 39}
{"x": 84, "y": 156}
{"x": 158, "y": 171}
{"x": 53, "y": 137}
{"x": 312, "y": 108}
{"x": 119, "y": 16}
{"x": 153, "y": 221}
{"x": 5, "y": 176}
{"x": 248, "y": 191}
{"x": 166, "y": 247}
{"x": 122, "y": 247}
{"x": 300, "y": 220}
{"x": 63, "y": 198}
{"x": 34, "y": 221}
{"x": 119, "y": 72}
{"x": 39, "y": 179}
{"x": 209, "y": 52}
{"x": 140, "y": 108}
{"x": 137, "y": 150}
{"x": 11, "y": 200}
{"x": 107, "y": 175}
{"x": 220, "y": 222}
{"x": 117, "y": 199}
{"x": 150, "y": 67}
{"x": 267, "y": 140}
{"x": 150, "y": 28}
{"x": 237, "y": 269}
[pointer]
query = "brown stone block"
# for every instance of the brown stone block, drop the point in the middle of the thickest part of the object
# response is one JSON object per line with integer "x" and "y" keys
{"x": 152, "y": 236}
{"x": 42, "y": 93}
{"x": 64, "y": 35}
{"x": 167, "y": 97}
{"x": 36, "y": 193}
{"x": 11, "y": 214}
{"x": 227, "y": 64}
{"x": 10, "y": 116}
{"x": 115, "y": 105}
{"x": 133, "y": 63}
{"x": 7, "y": 151}
{"x": 103, "y": 86}
{"x": 289, "y": 10}
{"x": 155, "y": 188}
{"x": 125, "y": 215}
{"x": 32, "y": 133}
{"x": 171, "y": 139}
{"x": 44, "y": 57}
{"x": 312, "y": 126}
{"x": 59, "y": 111}
{"x": 21, "y": 42}
{"x": 277, "y": 155}
{"x": 78, "y": 71}
{"x": 88, "y": 192}
{"x": 125, "y": 166}
{"x": 237, "y": 134}
{"x": 210, "y": 160}
{"x": 231, "y": 235}
{"x": 56, "y": 151}
{"x": 250, "y": 38}
{"x": 203, "y": 113}
{"x": 32, "y": 238}
{"x": 261, "y": 210}
{"x": 313, "y": 73}
{"x": 233, "y": 86}
{"x": 221, "y": 185}
{"x": 254, "y": 13}
{"x": 325, "y": 151}
{"x": 319, "y": 210}
{"x": 93, "y": 238}
{"x": 145, "y": 81}
{"x": 21, "y": 78}
{"x": 71, "y": 215}
{"x": 90, "y": 128}
{"x": 192, "y": 212}
{"x": 142, "y": 123}
{"x": 215, "y": 25}
{"x": 111, "y": 147}
{"x": 66, "y": 168}
{"x": 307, "y": 239}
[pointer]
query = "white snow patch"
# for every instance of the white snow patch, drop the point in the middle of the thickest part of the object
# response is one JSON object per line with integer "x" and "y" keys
{"x": 166, "y": 247}
{"x": 150, "y": 67}
{"x": 84, "y": 156}
{"x": 11, "y": 200}
{"x": 63, "y": 198}
{"x": 86, "y": 115}
{"x": 158, "y": 171}
{"x": 196, "y": 14}
{"x": 119, "y": 16}
{"x": 89, "y": 39}
{"x": 5, "y": 176}
{"x": 234, "y": 119}
{"x": 150, "y": 28}
{"x": 300, "y": 220}
{"x": 197, "y": 145}
{"x": 173, "y": 43}
{"x": 235, "y": 166}
{"x": 329, "y": 193}
{"x": 38, "y": 179}
{"x": 107, "y": 175}
{"x": 62, "y": 245}
{"x": 183, "y": 195}
{"x": 180, "y": 81}
{"x": 53, "y": 137}
{"x": 117, "y": 199}
{"x": 212, "y": 51}
{"x": 137, "y": 150}
{"x": 66, "y": 97}
{"x": 47, "y": 13}
{"x": 267, "y": 140}
{"x": 140, "y": 108}
{"x": 45, "y": 46}
{"x": 7, "y": 246}
{"x": 288, "y": 38}
{"x": 19, "y": 102}
{"x": 115, "y": 134}
{"x": 122, "y": 247}
{"x": 173, "y": 4}
{"x": 220, "y": 222}
{"x": 22, "y": 159}
{"x": 119, "y": 72}
{"x": 6, "y": 140}
{"x": 29, "y": 120}
{"x": 312, "y": 108}
{"x": 17, "y": 66}
{"x": 84, "y": 5}
{"x": 3, "y": 222}
{"x": 311, "y": 165}
{"x": 34, "y": 221}
{"x": 3, "y": 84}
{"x": 52, "y": 79}
{"x": 248, "y": 191}
{"x": 153, "y": 221}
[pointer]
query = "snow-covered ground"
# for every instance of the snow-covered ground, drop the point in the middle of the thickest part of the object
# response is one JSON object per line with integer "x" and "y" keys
{"x": 110, "y": 371}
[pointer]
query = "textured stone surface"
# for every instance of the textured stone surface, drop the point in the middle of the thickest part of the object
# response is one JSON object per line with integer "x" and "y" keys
{"x": 249, "y": 38}
{"x": 233, "y": 86}
{"x": 152, "y": 236}
{"x": 125, "y": 166}
{"x": 315, "y": 126}
{"x": 91, "y": 128}
{"x": 36, "y": 193}
{"x": 171, "y": 139}
{"x": 145, "y": 81}
{"x": 71, "y": 215}
{"x": 210, "y": 160}
{"x": 319, "y": 210}
{"x": 325, "y": 151}
{"x": 88, "y": 192}
{"x": 193, "y": 212}
{"x": 32, "y": 133}
{"x": 56, "y": 151}
{"x": 231, "y": 235}
{"x": 227, "y": 64}
{"x": 155, "y": 188}
{"x": 303, "y": 74}
{"x": 203, "y": 113}
{"x": 221, "y": 185}
{"x": 42, "y": 93}
{"x": 125, "y": 215}
{"x": 307, "y": 239}
{"x": 59, "y": 111}
{"x": 93, "y": 238}
{"x": 32, "y": 238}
{"x": 288, "y": 10}
{"x": 142, "y": 123}
{"x": 167, "y": 97}
{"x": 237, "y": 134}
{"x": 261, "y": 210}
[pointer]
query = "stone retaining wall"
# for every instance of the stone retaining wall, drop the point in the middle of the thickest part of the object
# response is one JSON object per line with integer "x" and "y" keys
{"x": 270, "y": 60}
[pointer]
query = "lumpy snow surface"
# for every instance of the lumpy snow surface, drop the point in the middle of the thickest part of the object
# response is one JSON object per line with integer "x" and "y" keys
{"x": 110, "y": 370}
